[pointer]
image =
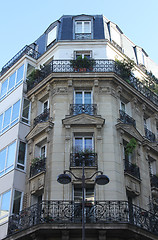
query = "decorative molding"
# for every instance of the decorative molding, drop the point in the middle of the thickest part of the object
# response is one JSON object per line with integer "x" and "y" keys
{"x": 129, "y": 130}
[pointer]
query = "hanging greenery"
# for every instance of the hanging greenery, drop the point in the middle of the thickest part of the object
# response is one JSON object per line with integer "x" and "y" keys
{"x": 125, "y": 68}
{"x": 130, "y": 146}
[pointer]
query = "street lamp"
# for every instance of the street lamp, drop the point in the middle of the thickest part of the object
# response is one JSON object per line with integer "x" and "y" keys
{"x": 101, "y": 179}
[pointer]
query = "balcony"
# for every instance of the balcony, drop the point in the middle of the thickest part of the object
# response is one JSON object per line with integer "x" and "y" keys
{"x": 82, "y": 36}
{"x": 56, "y": 213}
{"x": 131, "y": 169}
{"x": 76, "y": 159}
{"x": 43, "y": 117}
{"x": 149, "y": 135}
{"x": 101, "y": 66}
{"x": 38, "y": 167}
{"x": 125, "y": 118}
{"x": 26, "y": 50}
{"x": 76, "y": 109}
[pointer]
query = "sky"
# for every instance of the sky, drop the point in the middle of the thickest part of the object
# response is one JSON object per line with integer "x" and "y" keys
{"x": 22, "y": 22}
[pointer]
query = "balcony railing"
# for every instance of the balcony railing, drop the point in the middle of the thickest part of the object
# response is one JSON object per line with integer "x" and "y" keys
{"x": 81, "y": 36}
{"x": 132, "y": 169}
{"x": 26, "y": 50}
{"x": 154, "y": 181}
{"x": 38, "y": 167}
{"x": 90, "y": 109}
{"x": 125, "y": 118}
{"x": 43, "y": 117}
{"x": 149, "y": 135}
{"x": 69, "y": 212}
{"x": 76, "y": 159}
{"x": 101, "y": 65}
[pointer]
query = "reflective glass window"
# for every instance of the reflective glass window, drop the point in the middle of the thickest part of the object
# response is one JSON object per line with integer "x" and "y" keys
{"x": 3, "y": 154}
{"x": 21, "y": 155}
{"x": 15, "y": 112}
{"x": 11, "y": 81}
{"x": 1, "y": 120}
{"x": 26, "y": 109}
{"x": 4, "y": 88}
{"x": 7, "y": 116}
{"x": 11, "y": 154}
{"x": 5, "y": 204}
{"x": 17, "y": 202}
{"x": 20, "y": 73}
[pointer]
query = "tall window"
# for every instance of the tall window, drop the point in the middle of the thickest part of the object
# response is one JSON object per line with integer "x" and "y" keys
{"x": 5, "y": 204}
{"x": 7, "y": 158}
{"x": 43, "y": 152}
{"x": 21, "y": 155}
{"x": 89, "y": 193}
{"x": 52, "y": 36}
{"x": 83, "y": 97}
{"x": 83, "y": 143}
{"x": 26, "y": 111}
{"x": 12, "y": 82}
{"x": 83, "y": 29}
{"x": 9, "y": 117}
{"x": 17, "y": 202}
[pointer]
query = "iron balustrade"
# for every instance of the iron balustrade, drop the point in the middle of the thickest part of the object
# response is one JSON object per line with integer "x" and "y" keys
{"x": 154, "y": 181}
{"x": 76, "y": 159}
{"x": 101, "y": 65}
{"x": 37, "y": 167}
{"x": 79, "y": 36}
{"x": 149, "y": 135}
{"x": 90, "y": 109}
{"x": 43, "y": 117}
{"x": 125, "y": 118}
{"x": 131, "y": 168}
{"x": 70, "y": 212}
{"x": 25, "y": 50}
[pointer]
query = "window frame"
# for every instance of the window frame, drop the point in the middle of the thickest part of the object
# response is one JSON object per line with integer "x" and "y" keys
{"x": 1, "y": 198}
{"x": 83, "y": 141}
{"x": 23, "y": 119}
{"x": 83, "y": 95}
{"x": 83, "y": 26}
{"x": 21, "y": 200}
{"x": 17, "y": 158}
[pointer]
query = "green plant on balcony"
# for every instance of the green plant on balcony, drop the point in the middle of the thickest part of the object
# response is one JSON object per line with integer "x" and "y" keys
{"x": 82, "y": 64}
{"x": 32, "y": 77}
{"x": 34, "y": 161}
{"x": 130, "y": 147}
{"x": 125, "y": 68}
{"x": 83, "y": 153}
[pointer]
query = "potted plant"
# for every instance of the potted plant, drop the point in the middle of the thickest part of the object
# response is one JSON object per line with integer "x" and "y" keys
{"x": 82, "y": 64}
{"x": 124, "y": 69}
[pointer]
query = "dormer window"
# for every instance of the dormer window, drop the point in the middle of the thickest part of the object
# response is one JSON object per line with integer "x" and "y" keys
{"x": 83, "y": 30}
{"x": 52, "y": 36}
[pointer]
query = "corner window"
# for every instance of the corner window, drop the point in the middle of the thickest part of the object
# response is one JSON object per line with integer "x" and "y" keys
{"x": 5, "y": 204}
{"x": 7, "y": 158}
{"x": 83, "y": 30}
{"x": 21, "y": 155}
{"x": 26, "y": 111}
{"x": 17, "y": 202}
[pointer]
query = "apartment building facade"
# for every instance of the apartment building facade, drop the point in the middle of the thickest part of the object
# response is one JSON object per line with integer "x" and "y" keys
{"x": 63, "y": 115}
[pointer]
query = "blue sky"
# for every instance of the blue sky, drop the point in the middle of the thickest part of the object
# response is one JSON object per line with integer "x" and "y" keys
{"x": 22, "y": 22}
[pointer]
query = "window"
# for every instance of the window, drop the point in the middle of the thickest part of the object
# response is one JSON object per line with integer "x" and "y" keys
{"x": 43, "y": 152}
{"x": 9, "y": 117}
{"x": 17, "y": 202}
{"x": 45, "y": 106}
{"x": 83, "y": 97}
{"x": 21, "y": 155}
{"x": 26, "y": 111}
{"x": 83, "y": 143}
{"x": 83, "y": 30}
{"x": 89, "y": 193}
{"x": 86, "y": 54}
{"x": 52, "y": 35}
{"x": 5, "y": 204}
{"x": 122, "y": 106}
{"x": 7, "y": 158}
{"x": 152, "y": 166}
{"x": 10, "y": 83}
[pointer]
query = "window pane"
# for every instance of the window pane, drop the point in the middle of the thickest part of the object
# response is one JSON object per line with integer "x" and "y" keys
{"x": 16, "y": 109}
{"x": 78, "y": 144}
{"x": 87, "y": 98}
{"x": 90, "y": 194}
{"x": 5, "y": 204}
{"x": 78, "y": 98}
{"x": 7, "y": 116}
{"x": 87, "y": 27}
{"x": 88, "y": 143}
{"x": 1, "y": 119}
{"x": 21, "y": 155}
{"x": 17, "y": 202}
{"x": 52, "y": 35}
{"x": 77, "y": 194}
{"x": 11, "y": 154}
{"x": 43, "y": 152}
{"x": 2, "y": 159}
{"x": 4, "y": 88}
{"x": 11, "y": 81}
{"x": 20, "y": 74}
{"x": 25, "y": 113}
{"x": 78, "y": 27}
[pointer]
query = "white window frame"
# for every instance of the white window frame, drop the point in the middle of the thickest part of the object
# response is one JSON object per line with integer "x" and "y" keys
{"x": 43, "y": 105}
{"x": 44, "y": 145}
{"x": 21, "y": 201}
{"x": 7, "y": 214}
{"x": 83, "y": 94}
{"x": 83, "y": 141}
{"x": 83, "y": 26}
{"x": 52, "y": 35}
{"x": 20, "y": 164}
{"x": 79, "y": 186}
{"x": 25, "y": 119}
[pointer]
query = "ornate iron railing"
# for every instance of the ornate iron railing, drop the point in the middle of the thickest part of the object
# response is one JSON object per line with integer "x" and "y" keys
{"x": 125, "y": 118}
{"x": 132, "y": 169}
{"x": 101, "y": 65}
{"x": 69, "y": 212}
{"x": 76, "y": 159}
{"x": 43, "y": 117}
{"x": 25, "y": 50}
{"x": 149, "y": 135}
{"x": 79, "y": 36}
{"x": 154, "y": 181}
{"x": 38, "y": 167}
{"x": 76, "y": 109}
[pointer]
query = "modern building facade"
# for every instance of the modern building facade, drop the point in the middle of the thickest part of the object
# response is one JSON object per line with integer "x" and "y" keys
{"x": 55, "y": 115}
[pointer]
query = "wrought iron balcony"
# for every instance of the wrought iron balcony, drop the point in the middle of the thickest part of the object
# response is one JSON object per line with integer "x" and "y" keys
{"x": 125, "y": 118}
{"x": 132, "y": 169}
{"x": 90, "y": 109}
{"x": 76, "y": 159}
{"x": 37, "y": 167}
{"x": 43, "y": 117}
{"x": 81, "y": 36}
{"x": 101, "y": 65}
{"x": 154, "y": 181}
{"x": 26, "y": 50}
{"x": 149, "y": 135}
{"x": 69, "y": 212}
